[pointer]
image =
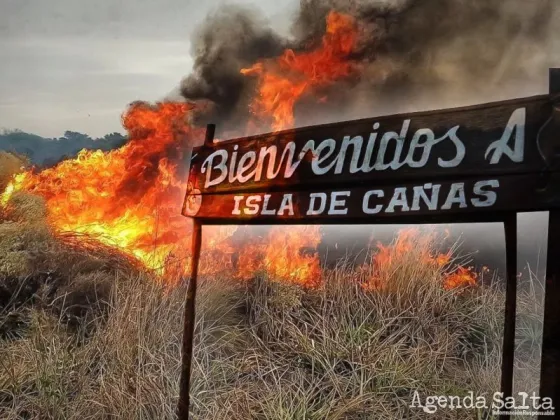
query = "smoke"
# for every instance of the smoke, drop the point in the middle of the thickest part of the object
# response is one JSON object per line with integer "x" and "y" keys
{"x": 415, "y": 54}
{"x": 228, "y": 40}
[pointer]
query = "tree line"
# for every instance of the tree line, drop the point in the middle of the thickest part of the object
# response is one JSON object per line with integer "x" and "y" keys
{"x": 44, "y": 151}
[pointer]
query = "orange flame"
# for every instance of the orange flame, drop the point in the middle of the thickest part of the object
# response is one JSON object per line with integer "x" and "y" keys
{"x": 282, "y": 82}
{"x": 463, "y": 277}
{"x": 416, "y": 249}
{"x": 127, "y": 197}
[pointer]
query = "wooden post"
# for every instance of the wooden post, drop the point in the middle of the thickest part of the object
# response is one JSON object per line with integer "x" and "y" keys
{"x": 189, "y": 323}
{"x": 210, "y": 132}
{"x": 508, "y": 353}
{"x": 190, "y": 313}
{"x": 550, "y": 360}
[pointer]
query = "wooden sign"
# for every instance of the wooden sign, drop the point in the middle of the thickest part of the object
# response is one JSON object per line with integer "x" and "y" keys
{"x": 476, "y": 159}
{"x": 473, "y": 164}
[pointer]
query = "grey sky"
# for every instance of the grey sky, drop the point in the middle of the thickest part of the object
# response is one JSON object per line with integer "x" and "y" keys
{"x": 76, "y": 64}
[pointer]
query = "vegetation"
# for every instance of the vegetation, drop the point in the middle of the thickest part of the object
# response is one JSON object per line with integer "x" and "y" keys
{"x": 49, "y": 151}
{"x": 85, "y": 333}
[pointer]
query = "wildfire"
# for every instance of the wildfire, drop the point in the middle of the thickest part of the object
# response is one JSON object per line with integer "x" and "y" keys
{"x": 282, "y": 254}
{"x": 462, "y": 278}
{"x": 131, "y": 197}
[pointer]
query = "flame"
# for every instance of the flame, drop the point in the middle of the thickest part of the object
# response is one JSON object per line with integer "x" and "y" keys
{"x": 131, "y": 197}
{"x": 127, "y": 198}
{"x": 415, "y": 249}
{"x": 283, "y": 81}
{"x": 13, "y": 186}
{"x": 463, "y": 277}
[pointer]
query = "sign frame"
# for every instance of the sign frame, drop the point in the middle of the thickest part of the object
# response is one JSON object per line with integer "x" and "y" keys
{"x": 544, "y": 180}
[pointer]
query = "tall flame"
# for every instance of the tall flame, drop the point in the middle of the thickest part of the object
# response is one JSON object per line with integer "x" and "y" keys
{"x": 127, "y": 197}
{"x": 283, "y": 81}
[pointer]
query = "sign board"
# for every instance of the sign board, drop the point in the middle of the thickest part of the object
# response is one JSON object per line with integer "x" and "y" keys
{"x": 477, "y": 159}
{"x": 472, "y": 164}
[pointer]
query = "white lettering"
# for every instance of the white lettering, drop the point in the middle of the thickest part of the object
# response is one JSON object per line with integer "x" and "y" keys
{"x": 456, "y": 196}
{"x": 287, "y": 204}
{"x": 489, "y": 196}
{"x": 208, "y": 166}
{"x": 329, "y": 144}
{"x": 245, "y": 163}
{"x": 356, "y": 144}
{"x": 416, "y": 402}
{"x": 233, "y": 163}
{"x": 394, "y": 164}
{"x": 313, "y": 197}
{"x": 252, "y": 204}
{"x": 365, "y": 203}
{"x": 236, "y": 210}
{"x": 335, "y": 202}
{"x": 426, "y": 147}
{"x": 452, "y": 134}
{"x": 265, "y": 210}
{"x": 350, "y": 155}
{"x": 366, "y": 163}
{"x": 420, "y": 193}
{"x": 501, "y": 147}
{"x": 399, "y": 199}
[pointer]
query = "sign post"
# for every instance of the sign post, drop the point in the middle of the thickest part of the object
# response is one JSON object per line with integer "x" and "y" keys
{"x": 475, "y": 164}
{"x": 508, "y": 352}
{"x": 190, "y": 313}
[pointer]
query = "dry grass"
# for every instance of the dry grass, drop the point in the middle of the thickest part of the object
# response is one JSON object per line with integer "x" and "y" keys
{"x": 86, "y": 335}
{"x": 9, "y": 165}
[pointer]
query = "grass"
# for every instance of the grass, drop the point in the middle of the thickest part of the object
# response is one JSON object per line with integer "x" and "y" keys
{"x": 85, "y": 333}
{"x": 9, "y": 164}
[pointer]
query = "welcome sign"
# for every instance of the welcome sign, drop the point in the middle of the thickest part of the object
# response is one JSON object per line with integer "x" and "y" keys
{"x": 483, "y": 158}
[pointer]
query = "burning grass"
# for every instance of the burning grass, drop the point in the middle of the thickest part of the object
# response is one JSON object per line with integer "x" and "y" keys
{"x": 86, "y": 334}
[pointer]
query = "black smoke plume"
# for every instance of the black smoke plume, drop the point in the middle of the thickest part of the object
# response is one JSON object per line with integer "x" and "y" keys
{"x": 416, "y": 54}
{"x": 229, "y": 40}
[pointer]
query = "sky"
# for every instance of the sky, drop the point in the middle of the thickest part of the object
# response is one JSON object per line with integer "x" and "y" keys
{"x": 76, "y": 64}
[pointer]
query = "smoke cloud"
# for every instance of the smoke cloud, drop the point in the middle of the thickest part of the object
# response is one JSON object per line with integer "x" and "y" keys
{"x": 415, "y": 54}
{"x": 229, "y": 40}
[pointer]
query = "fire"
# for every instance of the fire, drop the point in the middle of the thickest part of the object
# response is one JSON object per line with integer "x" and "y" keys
{"x": 127, "y": 197}
{"x": 12, "y": 187}
{"x": 413, "y": 250}
{"x": 131, "y": 197}
{"x": 464, "y": 277}
{"x": 283, "y": 81}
